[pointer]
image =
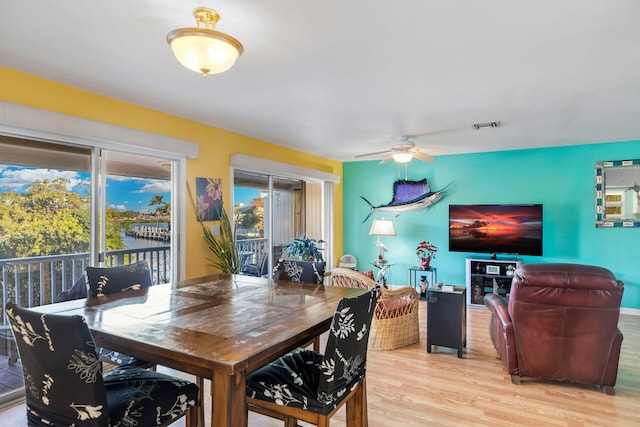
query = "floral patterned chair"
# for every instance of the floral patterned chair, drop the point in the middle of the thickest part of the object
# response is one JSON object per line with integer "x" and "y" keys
{"x": 395, "y": 321}
{"x": 308, "y": 386}
{"x": 123, "y": 278}
{"x": 299, "y": 271}
{"x": 65, "y": 386}
{"x": 302, "y": 272}
{"x": 110, "y": 280}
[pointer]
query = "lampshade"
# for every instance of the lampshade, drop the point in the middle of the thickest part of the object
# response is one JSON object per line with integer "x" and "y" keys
{"x": 204, "y": 50}
{"x": 382, "y": 227}
{"x": 402, "y": 156}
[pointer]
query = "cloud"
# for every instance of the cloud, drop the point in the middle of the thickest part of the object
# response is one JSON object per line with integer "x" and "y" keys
{"x": 121, "y": 178}
{"x": 119, "y": 208}
{"x": 17, "y": 179}
{"x": 156, "y": 187}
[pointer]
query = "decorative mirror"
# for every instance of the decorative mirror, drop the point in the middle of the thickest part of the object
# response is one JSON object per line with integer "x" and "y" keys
{"x": 618, "y": 193}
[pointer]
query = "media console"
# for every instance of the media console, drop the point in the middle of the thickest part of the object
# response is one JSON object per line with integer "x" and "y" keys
{"x": 485, "y": 275}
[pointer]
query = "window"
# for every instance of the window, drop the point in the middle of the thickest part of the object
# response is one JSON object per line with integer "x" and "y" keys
{"x": 59, "y": 142}
{"x": 275, "y": 203}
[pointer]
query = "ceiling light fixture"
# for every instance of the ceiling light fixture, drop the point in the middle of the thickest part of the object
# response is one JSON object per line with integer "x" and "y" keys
{"x": 204, "y": 50}
{"x": 402, "y": 156}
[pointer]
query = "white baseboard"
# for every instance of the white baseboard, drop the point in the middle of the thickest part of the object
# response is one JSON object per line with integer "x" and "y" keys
{"x": 631, "y": 311}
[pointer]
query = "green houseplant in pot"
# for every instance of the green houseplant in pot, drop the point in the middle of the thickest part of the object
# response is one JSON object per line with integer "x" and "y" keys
{"x": 222, "y": 246}
{"x": 307, "y": 249}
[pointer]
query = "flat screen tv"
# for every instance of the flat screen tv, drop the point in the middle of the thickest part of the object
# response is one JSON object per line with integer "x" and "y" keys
{"x": 496, "y": 229}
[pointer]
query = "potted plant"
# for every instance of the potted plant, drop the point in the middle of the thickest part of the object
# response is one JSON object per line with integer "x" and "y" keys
{"x": 222, "y": 246}
{"x": 426, "y": 251}
{"x": 307, "y": 249}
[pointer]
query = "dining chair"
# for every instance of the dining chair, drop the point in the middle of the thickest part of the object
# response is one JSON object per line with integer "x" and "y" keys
{"x": 64, "y": 384}
{"x": 79, "y": 290}
{"x": 302, "y": 272}
{"x": 123, "y": 278}
{"x": 395, "y": 321}
{"x": 299, "y": 271}
{"x": 260, "y": 269}
{"x": 110, "y": 280}
{"x": 308, "y": 386}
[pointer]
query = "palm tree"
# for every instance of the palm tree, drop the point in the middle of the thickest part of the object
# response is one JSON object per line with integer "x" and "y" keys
{"x": 164, "y": 208}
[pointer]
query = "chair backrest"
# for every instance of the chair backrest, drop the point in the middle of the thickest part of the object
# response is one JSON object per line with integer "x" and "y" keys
{"x": 299, "y": 271}
{"x": 111, "y": 280}
{"x": 565, "y": 319}
{"x": 62, "y": 373}
{"x": 348, "y": 278}
{"x": 345, "y": 358}
{"x": 347, "y": 261}
{"x": 258, "y": 270}
{"x": 77, "y": 291}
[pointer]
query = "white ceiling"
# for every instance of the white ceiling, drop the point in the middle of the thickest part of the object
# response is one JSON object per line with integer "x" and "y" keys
{"x": 338, "y": 78}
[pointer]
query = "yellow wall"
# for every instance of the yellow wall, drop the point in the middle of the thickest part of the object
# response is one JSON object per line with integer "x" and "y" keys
{"x": 215, "y": 145}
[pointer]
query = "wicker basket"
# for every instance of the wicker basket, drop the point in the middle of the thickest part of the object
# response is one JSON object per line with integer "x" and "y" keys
{"x": 395, "y": 320}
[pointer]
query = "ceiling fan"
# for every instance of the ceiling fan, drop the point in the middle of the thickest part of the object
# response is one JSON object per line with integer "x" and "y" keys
{"x": 404, "y": 149}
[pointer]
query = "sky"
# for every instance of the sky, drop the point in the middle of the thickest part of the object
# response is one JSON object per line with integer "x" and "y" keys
{"x": 244, "y": 195}
{"x": 122, "y": 193}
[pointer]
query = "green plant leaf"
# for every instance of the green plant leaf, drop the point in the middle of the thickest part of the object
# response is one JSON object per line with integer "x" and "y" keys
{"x": 223, "y": 246}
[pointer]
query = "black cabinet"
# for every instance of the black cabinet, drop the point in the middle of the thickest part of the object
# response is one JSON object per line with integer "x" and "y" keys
{"x": 447, "y": 318}
{"x": 486, "y": 275}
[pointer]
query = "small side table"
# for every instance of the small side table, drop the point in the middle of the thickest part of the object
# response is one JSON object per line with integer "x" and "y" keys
{"x": 382, "y": 273}
{"x": 414, "y": 278}
{"x": 447, "y": 318}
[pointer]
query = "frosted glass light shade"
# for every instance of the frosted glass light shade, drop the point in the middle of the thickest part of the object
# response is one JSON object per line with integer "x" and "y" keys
{"x": 402, "y": 157}
{"x": 204, "y": 51}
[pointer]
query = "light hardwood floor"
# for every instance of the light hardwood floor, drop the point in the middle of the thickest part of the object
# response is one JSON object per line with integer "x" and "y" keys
{"x": 409, "y": 388}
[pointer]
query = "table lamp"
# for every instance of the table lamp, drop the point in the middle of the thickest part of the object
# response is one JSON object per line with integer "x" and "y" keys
{"x": 382, "y": 227}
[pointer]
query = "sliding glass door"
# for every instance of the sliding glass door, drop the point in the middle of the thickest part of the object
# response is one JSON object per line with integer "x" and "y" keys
{"x": 65, "y": 206}
{"x": 271, "y": 211}
{"x": 45, "y": 232}
{"x": 136, "y": 194}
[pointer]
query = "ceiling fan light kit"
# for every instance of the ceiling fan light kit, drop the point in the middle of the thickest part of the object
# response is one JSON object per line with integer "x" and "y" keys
{"x": 402, "y": 157}
{"x": 204, "y": 50}
{"x": 404, "y": 150}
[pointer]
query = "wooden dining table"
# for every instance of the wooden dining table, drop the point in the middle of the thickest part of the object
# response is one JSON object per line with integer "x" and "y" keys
{"x": 220, "y": 327}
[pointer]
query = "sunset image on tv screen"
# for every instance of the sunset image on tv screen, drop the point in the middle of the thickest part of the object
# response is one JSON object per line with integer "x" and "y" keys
{"x": 507, "y": 229}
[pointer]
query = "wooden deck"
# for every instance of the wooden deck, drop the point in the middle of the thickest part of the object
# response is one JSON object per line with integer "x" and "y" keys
{"x": 10, "y": 376}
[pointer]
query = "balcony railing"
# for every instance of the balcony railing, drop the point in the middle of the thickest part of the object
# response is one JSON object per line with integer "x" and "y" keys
{"x": 36, "y": 281}
{"x": 252, "y": 251}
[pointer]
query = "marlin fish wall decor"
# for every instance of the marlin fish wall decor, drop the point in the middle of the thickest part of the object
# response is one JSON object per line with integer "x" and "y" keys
{"x": 408, "y": 196}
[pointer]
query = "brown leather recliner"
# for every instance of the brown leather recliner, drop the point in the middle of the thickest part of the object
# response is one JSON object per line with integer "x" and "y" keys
{"x": 561, "y": 323}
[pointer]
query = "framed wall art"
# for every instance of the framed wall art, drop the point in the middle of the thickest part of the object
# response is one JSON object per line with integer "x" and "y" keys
{"x": 209, "y": 198}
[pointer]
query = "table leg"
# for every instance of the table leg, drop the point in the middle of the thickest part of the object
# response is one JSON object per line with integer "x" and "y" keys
{"x": 228, "y": 399}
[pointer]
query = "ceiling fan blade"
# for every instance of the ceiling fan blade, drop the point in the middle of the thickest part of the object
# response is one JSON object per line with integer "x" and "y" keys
{"x": 433, "y": 150}
{"x": 373, "y": 154}
{"x": 386, "y": 159}
{"x": 424, "y": 157}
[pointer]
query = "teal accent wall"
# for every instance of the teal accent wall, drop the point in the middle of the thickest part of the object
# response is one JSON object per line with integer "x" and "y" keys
{"x": 561, "y": 178}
